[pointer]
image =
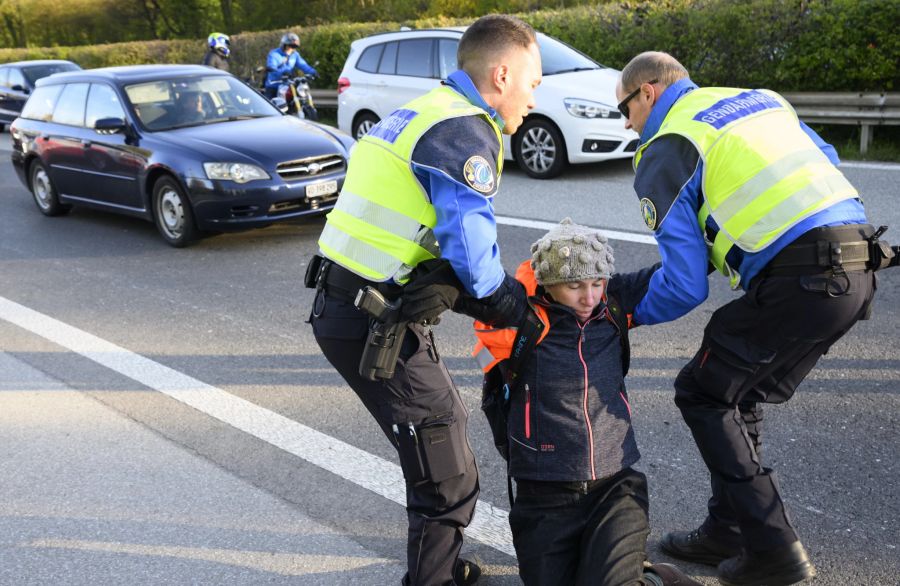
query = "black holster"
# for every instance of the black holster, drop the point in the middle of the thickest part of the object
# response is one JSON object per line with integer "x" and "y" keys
{"x": 386, "y": 333}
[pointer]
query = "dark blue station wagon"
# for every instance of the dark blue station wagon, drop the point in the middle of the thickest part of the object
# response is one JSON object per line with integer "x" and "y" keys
{"x": 190, "y": 148}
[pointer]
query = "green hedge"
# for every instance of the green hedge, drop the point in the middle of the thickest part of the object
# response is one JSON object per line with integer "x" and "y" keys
{"x": 799, "y": 45}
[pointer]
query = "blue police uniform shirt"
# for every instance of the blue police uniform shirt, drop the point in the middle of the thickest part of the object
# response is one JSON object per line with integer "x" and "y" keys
{"x": 670, "y": 175}
{"x": 279, "y": 64}
{"x": 455, "y": 162}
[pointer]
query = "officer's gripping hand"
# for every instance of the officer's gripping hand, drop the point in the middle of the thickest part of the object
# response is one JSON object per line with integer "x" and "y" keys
{"x": 433, "y": 289}
{"x": 503, "y": 308}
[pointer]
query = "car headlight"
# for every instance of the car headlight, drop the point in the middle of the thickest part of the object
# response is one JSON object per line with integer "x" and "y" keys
{"x": 237, "y": 172}
{"x": 589, "y": 109}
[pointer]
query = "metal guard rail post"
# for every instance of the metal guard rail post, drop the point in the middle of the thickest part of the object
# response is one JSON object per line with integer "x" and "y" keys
{"x": 866, "y": 110}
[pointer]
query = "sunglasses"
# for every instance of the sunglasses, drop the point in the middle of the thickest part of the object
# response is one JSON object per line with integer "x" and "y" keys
{"x": 623, "y": 105}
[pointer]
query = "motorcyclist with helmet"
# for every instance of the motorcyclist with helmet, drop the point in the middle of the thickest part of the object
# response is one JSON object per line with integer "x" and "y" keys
{"x": 218, "y": 51}
{"x": 282, "y": 61}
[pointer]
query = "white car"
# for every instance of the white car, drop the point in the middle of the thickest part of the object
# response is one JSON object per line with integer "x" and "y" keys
{"x": 575, "y": 120}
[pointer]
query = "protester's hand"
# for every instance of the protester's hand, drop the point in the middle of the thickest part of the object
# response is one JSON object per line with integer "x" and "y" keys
{"x": 433, "y": 289}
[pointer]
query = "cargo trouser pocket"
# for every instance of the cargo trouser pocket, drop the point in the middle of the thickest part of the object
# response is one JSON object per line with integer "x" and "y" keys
{"x": 443, "y": 441}
{"x": 433, "y": 450}
{"x": 727, "y": 365}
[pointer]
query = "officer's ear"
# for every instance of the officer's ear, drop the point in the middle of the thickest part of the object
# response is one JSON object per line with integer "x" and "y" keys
{"x": 500, "y": 77}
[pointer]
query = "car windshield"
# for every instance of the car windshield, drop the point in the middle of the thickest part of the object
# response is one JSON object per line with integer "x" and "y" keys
{"x": 36, "y": 72}
{"x": 558, "y": 57}
{"x": 194, "y": 101}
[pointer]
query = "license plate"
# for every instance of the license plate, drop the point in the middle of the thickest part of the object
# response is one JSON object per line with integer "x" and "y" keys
{"x": 320, "y": 189}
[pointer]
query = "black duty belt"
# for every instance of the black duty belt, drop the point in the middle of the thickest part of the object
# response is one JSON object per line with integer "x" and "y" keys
{"x": 340, "y": 282}
{"x": 823, "y": 249}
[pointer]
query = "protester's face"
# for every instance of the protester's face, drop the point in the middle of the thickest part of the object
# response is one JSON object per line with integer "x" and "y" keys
{"x": 582, "y": 296}
{"x": 639, "y": 105}
{"x": 516, "y": 78}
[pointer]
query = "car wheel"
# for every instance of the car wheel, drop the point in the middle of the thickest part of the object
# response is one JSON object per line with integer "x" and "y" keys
{"x": 172, "y": 213}
{"x": 363, "y": 124}
{"x": 540, "y": 150}
{"x": 44, "y": 193}
{"x": 310, "y": 113}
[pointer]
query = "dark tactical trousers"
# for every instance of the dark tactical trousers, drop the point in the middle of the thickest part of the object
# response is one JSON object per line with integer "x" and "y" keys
{"x": 438, "y": 464}
{"x": 593, "y": 537}
{"x": 757, "y": 349}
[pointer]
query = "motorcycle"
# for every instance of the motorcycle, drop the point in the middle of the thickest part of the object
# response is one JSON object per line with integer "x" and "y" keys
{"x": 294, "y": 91}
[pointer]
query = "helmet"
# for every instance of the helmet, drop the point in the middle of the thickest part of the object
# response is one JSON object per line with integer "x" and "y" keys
{"x": 220, "y": 43}
{"x": 290, "y": 39}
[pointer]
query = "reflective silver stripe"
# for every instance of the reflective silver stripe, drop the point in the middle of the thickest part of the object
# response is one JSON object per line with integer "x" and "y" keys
{"x": 820, "y": 191}
{"x": 360, "y": 252}
{"x": 484, "y": 358}
{"x": 377, "y": 215}
{"x": 766, "y": 178}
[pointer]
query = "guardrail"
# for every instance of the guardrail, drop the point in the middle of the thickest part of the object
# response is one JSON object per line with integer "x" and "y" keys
{"x": 324, "y": 98}
{"x": 858, "y": 109}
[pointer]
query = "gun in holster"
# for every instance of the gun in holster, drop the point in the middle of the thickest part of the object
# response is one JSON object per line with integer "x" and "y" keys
{"x": 386, "y": 333}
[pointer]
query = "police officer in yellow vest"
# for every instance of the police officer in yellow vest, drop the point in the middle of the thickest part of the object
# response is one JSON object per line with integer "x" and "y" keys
{"x": 419, "y": 192}
{"x": 731, "y": 180}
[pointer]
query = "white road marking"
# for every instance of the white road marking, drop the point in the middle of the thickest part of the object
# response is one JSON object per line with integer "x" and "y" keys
{"x": 490, "y": 525}
{"x": 541, "y": 225}
{"x": 866, "y": 165}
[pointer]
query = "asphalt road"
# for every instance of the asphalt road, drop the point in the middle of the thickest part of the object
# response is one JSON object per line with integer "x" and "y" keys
{"x": 219, "y": 328}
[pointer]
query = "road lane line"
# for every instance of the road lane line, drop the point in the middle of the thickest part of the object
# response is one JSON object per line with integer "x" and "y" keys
{"x": 490, "y": 525}
{"x": 541, "y": 225}
{"x": 865, "y": 165}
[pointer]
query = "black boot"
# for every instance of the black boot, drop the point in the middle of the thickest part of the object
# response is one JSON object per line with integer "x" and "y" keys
{"x": 697, "y": 546}
{"x": 467, "y": 570}
{"x": 778, "y": 567}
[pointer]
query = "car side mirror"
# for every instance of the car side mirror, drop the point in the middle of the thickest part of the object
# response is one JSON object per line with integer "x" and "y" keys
{"x": 109, "y": 125}
{"x": 19, "y": 88}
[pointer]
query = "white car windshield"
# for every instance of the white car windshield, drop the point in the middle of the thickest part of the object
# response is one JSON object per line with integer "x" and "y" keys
{"x": 558, "y": 57}
{"x": 182, "y": 102}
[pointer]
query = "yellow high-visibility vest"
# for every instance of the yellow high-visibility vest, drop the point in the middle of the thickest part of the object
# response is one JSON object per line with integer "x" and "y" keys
{"x": 382, "y": 224}
{"x": 762, "y": 174}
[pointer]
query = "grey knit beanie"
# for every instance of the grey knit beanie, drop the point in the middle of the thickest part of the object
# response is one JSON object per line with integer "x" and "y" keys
{"x": 570, "y": 252}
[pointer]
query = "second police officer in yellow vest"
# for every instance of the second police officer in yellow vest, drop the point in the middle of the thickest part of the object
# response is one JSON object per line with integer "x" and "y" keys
{"x": 419, "y": 193}
{"x": 731, "y": 178}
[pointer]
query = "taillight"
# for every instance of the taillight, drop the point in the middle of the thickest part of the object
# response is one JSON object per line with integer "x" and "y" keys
{"x": 343, "y": 83}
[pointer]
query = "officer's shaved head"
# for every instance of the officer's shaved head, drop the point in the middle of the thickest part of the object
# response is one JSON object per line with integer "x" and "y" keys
{"x": 487, "y": 40}
{"x": 652, "y": 65}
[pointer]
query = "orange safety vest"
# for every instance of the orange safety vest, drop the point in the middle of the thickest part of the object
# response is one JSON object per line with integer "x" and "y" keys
{"x": 495, "y": 344}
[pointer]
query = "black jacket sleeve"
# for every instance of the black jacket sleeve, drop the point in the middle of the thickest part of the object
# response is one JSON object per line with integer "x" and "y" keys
{"x": 630, "y": 288}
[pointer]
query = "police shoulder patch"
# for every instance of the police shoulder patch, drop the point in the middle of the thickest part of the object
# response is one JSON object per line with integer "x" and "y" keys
{"x": 479, "y": 174}
{"x": 648, "y": 211}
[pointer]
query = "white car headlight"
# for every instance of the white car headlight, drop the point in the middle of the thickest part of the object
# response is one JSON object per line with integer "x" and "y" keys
{"x": 237, "y": 172}
{"x": 588, "y": 109}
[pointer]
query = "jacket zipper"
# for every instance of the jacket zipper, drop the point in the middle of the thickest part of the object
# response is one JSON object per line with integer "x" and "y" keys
{"x": 587, "y": 418}
{"x": 527, "y": 412}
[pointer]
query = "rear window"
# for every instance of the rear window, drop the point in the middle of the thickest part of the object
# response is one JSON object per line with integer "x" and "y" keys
{"x": 70, "y": 106}
{"x": 416, "y": 58}
{"x": 36, "y": 72}
{"x": 368, "y": 61}
{"x": 40, "y": 105}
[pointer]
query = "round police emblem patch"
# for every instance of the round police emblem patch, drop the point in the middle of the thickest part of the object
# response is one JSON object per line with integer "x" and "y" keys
{"x": 648, "y": 210}
{"x": 478, "y": 174}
